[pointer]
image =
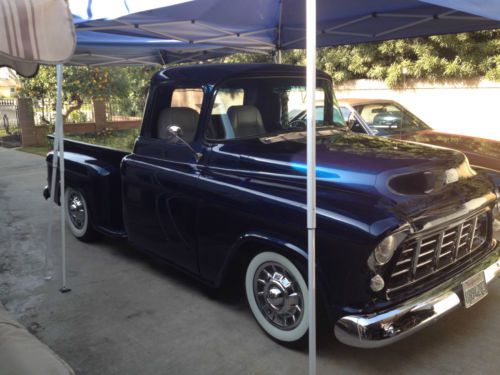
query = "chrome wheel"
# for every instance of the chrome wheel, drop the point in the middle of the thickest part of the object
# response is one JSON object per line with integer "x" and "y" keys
{"x": 76, "y": 209}
{"x": 276, "y": 293}
{"x": 78, "y": 215}
{"x": 278, "y": 296}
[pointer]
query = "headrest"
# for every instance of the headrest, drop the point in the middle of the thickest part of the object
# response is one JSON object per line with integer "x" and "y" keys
{"x": 246, "y": 120}
{"x": 184, "y": 117}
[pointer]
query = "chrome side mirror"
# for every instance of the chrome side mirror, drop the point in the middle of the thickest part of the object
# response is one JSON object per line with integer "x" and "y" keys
{"x": 175, "y": 131}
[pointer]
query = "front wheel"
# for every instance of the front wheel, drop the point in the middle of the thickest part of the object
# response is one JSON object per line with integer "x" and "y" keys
{"x": 77, "y": 215}
{"x": 277, "y": 295}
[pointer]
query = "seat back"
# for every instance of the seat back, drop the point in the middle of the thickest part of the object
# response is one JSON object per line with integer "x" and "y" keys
{"x": 184, "y": 117}
{"x": 246, "y": 120}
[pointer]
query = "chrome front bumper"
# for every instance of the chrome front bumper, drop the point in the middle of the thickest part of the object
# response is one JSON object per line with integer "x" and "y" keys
{"x": 387, "y": 327}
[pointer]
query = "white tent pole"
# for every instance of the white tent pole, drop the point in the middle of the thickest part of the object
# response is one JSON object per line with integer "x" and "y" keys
{"x": 311, "y": 175}
{"x": 50, "y": 213}
{"x": 60, "y": 136}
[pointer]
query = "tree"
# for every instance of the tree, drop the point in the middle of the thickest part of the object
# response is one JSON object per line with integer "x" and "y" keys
{"x": 436, "y": 58}
{"x": 79, "y": 84}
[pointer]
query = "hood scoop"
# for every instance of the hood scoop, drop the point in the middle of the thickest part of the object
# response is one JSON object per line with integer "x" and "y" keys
{"x": 426, "y": 182}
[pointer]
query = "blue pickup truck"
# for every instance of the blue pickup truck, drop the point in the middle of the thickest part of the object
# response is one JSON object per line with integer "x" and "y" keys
{"x": 216, "y": 185}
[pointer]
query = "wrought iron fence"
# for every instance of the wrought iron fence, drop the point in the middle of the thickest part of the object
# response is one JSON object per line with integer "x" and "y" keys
{"x": 9, "y": 118}
{"x": 124, "y": 109}
{"x": 44, "y": 111}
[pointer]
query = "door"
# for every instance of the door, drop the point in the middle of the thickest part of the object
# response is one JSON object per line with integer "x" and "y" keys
{"x": 160, "y": 180}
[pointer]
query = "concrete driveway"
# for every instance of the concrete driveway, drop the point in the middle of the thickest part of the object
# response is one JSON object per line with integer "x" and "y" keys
{"x": 128, "y": 314}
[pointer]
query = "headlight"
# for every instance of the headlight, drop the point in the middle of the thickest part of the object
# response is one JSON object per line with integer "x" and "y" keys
{"x": 385, "y": 250}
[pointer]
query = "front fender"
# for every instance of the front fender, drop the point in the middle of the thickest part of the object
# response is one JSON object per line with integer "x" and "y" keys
{"x": 249, "y": 241}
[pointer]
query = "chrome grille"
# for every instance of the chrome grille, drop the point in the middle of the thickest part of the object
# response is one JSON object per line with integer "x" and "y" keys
{"x": 423, "y": 256}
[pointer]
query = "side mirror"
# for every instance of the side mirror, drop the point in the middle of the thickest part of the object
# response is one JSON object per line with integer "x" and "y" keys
{"x": 175, "y": 133}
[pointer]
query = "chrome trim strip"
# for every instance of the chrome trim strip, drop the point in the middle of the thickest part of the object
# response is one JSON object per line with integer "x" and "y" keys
{"x": 437, "y": 253}
{"x": 386, "y": 327}
{"x": 414, "y": 265}
{"x": 457, "y": 242}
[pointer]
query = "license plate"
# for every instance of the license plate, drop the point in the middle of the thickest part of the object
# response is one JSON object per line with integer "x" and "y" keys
{"x": 474, "y": 289}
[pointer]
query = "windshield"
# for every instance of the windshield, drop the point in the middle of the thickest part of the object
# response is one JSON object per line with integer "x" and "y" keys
{"x": 263, "y": 106}
{"x": 389, "y": 118}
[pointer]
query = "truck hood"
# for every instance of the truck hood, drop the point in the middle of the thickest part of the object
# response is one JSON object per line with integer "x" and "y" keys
{"x": 351, "y": 160}
{"x": 380, "y": 176}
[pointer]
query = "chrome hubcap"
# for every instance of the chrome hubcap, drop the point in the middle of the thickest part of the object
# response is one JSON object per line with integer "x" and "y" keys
{"x": 278, "y": 295}
{"x": 76, "y": 210}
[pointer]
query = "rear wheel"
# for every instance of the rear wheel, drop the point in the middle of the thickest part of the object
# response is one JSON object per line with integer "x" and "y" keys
{"x": 77, "y": 215}
{"x": 277, "y": 295}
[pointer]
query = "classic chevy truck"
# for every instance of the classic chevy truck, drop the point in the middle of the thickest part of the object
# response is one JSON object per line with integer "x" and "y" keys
{"x": 216, "y": 186}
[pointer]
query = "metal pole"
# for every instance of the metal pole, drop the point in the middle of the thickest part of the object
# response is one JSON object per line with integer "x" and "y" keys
{"x": 59, "y": 135}
{"x": 46, "y": 273}
{"x": 311, "y": 175}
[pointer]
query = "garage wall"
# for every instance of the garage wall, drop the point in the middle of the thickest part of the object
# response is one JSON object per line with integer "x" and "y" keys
{"x": 471, "y": 107}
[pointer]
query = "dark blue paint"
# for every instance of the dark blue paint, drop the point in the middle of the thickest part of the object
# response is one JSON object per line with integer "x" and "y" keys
{"x": 252, "y": 193}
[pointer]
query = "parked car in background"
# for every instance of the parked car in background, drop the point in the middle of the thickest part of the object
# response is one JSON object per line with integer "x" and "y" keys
{"x": 216, "y": 185}
{"x": 388, "y": 118}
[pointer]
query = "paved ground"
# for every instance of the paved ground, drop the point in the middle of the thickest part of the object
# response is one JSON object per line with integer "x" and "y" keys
{"x": 128, "y": 315}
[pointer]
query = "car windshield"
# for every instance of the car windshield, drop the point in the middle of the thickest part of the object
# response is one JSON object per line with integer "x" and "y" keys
{"x": 263, "y": 106}
{"x": 389, "y": 118}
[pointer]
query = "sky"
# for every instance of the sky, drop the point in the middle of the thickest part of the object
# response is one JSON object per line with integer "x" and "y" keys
{"x": 110, "y": 9}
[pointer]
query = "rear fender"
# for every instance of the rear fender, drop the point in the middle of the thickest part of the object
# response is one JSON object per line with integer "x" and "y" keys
{"x": 94, "y": 179}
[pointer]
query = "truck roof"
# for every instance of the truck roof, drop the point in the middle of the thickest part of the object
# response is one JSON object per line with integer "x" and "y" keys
{"x": 203, "y": 74}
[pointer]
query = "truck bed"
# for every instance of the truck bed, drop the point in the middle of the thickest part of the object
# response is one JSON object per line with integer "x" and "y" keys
{"x": 95, "y": 170}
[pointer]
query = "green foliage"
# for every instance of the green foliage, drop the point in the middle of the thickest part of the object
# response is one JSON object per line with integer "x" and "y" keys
{"x": 82, "y": 84}
{"x": 436, "y": 58}
{"x": 116, "y": 139}
{"x": 79, "y": 83}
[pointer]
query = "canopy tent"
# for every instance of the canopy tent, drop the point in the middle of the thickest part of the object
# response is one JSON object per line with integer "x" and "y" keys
{"x": 280, "y": 24}
{"x": 239, "y": 25}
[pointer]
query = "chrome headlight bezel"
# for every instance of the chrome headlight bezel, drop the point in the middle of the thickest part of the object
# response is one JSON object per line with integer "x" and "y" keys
{"x": 385, "y": 250}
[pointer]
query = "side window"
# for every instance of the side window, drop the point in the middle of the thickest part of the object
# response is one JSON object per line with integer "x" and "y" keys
{"x": 183, "y": 111}
{"x": 220, "y": 126}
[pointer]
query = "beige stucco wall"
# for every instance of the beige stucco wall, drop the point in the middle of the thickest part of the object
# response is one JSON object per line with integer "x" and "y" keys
{"x": 471, "y": 108}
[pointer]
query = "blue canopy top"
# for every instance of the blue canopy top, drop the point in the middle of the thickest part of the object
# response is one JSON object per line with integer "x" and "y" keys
{"x": 280, "y": 24}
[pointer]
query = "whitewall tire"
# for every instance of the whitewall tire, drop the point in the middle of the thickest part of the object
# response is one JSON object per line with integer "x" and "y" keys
{"x": 277, "y": 294}
{"x": 77, "y": 215}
